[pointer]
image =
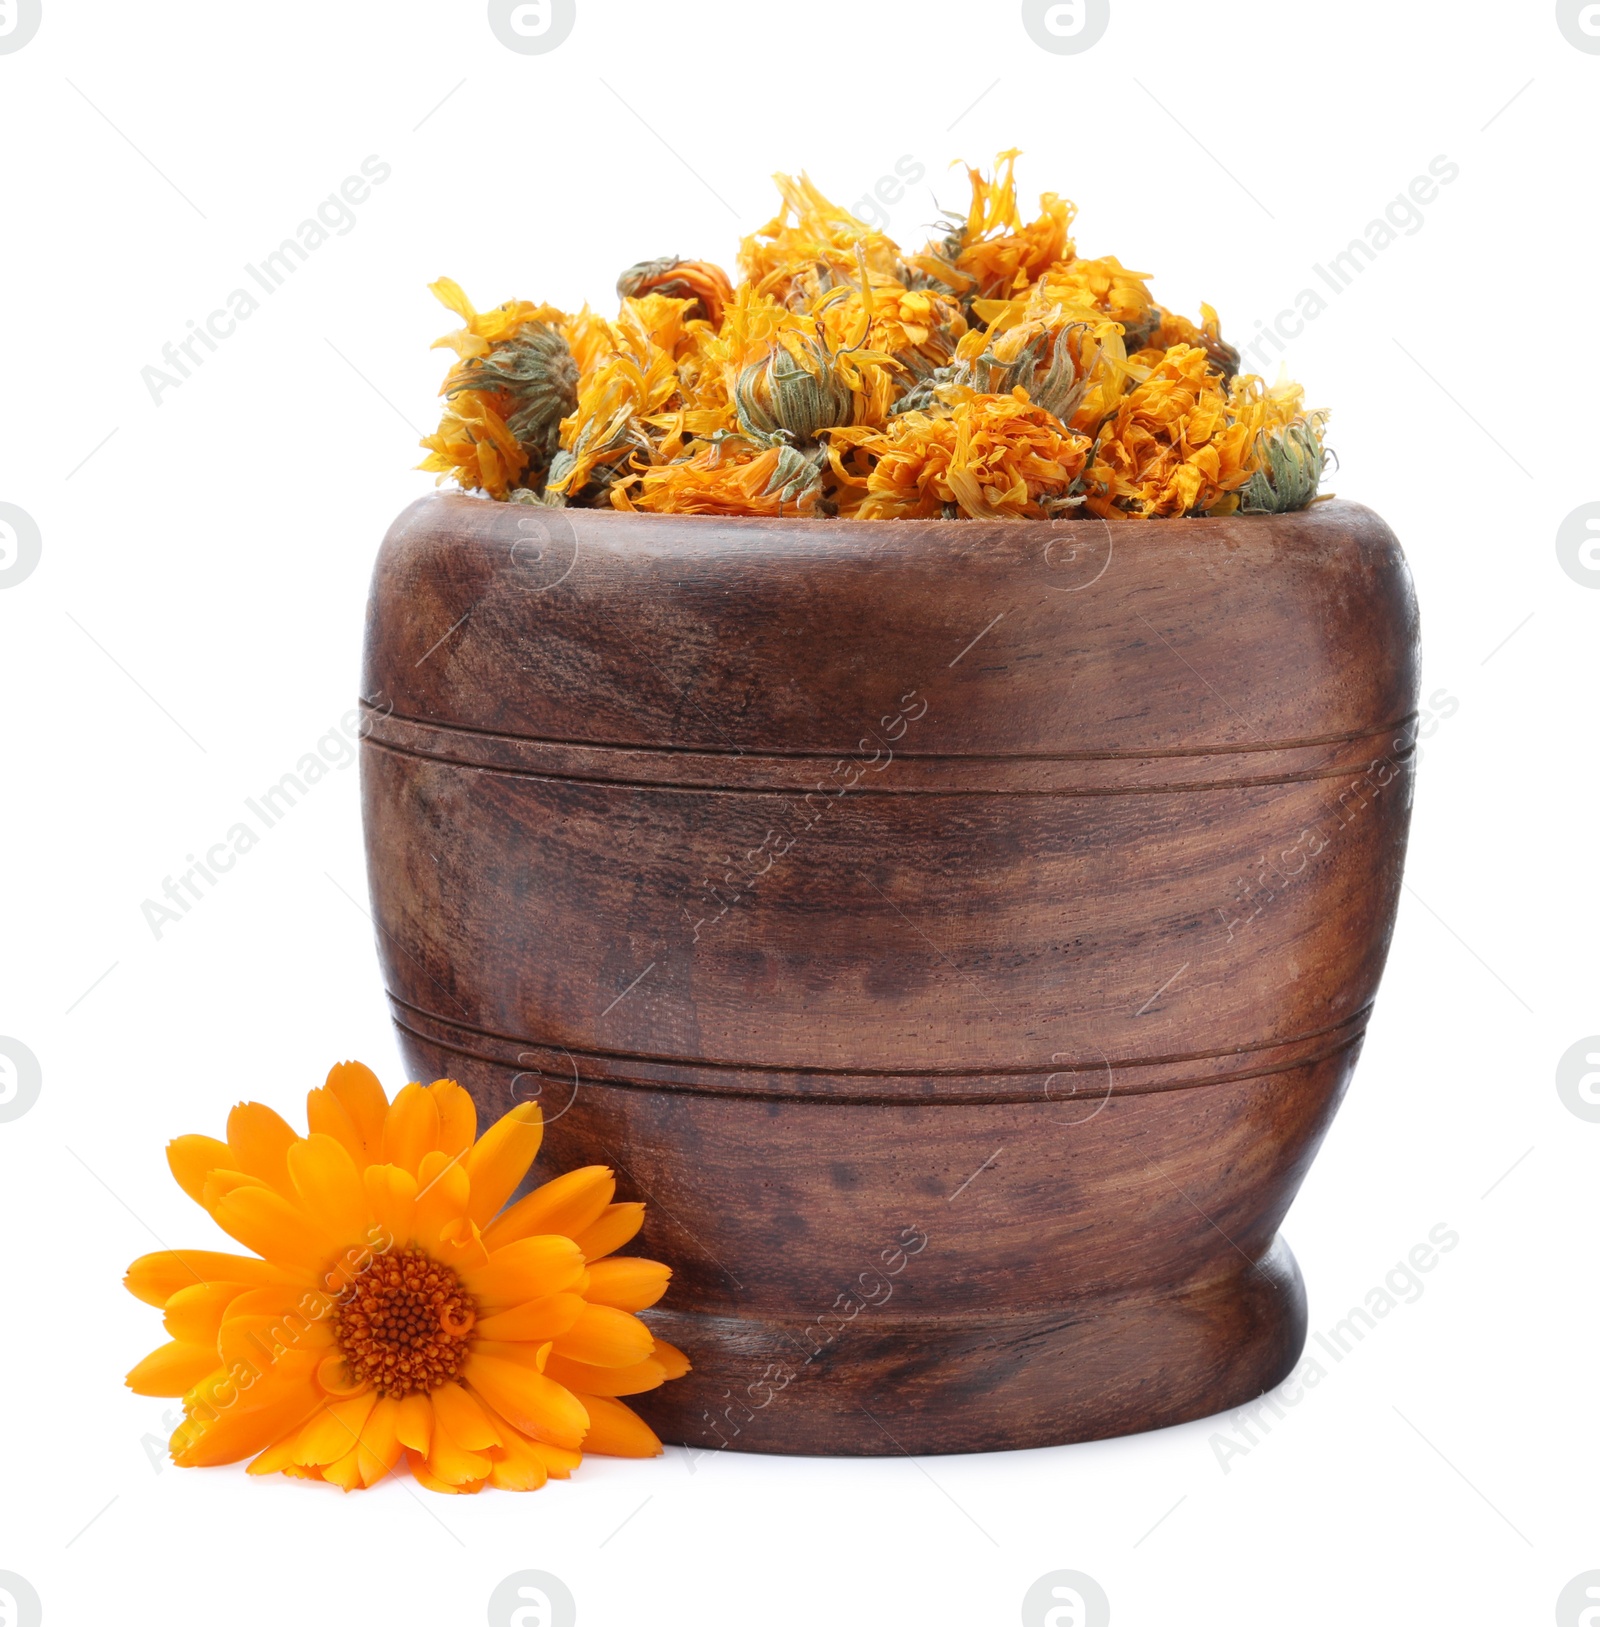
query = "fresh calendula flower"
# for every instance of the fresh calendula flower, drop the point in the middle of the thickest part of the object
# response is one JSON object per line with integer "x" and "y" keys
{"x": 394, "y": 1305}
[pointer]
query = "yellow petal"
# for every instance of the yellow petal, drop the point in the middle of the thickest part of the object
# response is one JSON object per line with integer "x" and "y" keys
{"x": 194, "y": 1314}
{"x": 558, "y": 1460}
{"x": 334, "y": 1431}
{"x": 345, "y": 1472}
{"x": 627, "y": 1283}
{"x": 431, "y": 1482}
{"x": 259, "y": 1343}
{"x": 519, "y": 1466}
{"x": 411, "y": 1129}
{"x": 454, "y": 1465}
{"x": 241, "y": 1430}
{"x": 605, "y": 1337}
{"x": 618, "y": 1431}
{"x": 392, "y": 1198}
{"x": 259, "y": 1140}
{"x": 458, "y": 1118}
{"x": 671, "y": 1359}
{"x": 530, "y": 1269}
{"x": 272, "y": 1226}
{"x": 155, "y": 1278}
{"x": 443, "y": 1191}
{"x": 174, "y": 1369}
{"x": 529, "y": 1401}
{"x": 618, "y": 1225}
{"x": 328, "y": 1187}
{"x": 501, "y": 1157}
{"x": 327, "y": 1116}
{"x": 462, "y": 1417}
{"x": 277, "y": 1457}
{"x": 569, "y": 1204}
{"x": 585, "y": 1379}
{"x": 380, "y": 1442}
{"x": 355, "y": 1087}
{"x": 538, "y": 1320}
{"x": 192, "y": 1158}
{"x": 414, "y": 1423}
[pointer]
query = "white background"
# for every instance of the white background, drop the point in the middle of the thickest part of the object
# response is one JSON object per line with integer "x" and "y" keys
{"x": 194, "y": 626}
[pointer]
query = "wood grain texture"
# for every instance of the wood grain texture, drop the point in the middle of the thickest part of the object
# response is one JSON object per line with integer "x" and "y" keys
{"x": 1018, "y": 888}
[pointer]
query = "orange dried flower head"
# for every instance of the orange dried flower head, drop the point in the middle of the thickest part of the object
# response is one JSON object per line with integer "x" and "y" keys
{"x": 729, "y": 477}
{"x": 474, "y": 446}
{"x": 393, "y": 1306}
{"x": 1176, "y": 443}
{"x": 699, "y": 281}
{"x": 987, "y": 457}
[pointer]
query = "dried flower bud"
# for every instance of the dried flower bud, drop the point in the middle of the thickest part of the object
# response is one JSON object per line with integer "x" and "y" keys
{"x": 536, "y": 368}
{"x": 1041, "y": 362}
{"x": 680, "y": 279}
{"x": 794, "y": 393}
{"x": 1291, "y": 461}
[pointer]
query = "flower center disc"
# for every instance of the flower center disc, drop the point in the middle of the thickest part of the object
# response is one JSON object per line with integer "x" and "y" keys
{"x": 405, "y": 1323}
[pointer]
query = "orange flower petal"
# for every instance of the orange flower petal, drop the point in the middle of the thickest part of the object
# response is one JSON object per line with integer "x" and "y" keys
{"x": 539, "y": 1319}
{"x": 519, "y": 1466}
{"x": 431, "y": 1482}
{"x": 411, "y": 1129}
{"x": 155, "y": 1278}
{"x": 356, "y": 1088}
{"x": 618, "y": 1225}
{"x": 569, "y": 1204}
{"x": 328, "y": 1187}
{"x": 174, "y": 1369}
{"x": 335, "y": 1431}
{"x": 380, "y": 1447}
{"x": 458, "y": 1118}
{"x": 414, "y": 1423}
{"x": 192, "y": 1158}
{"x": 530, "y": 1269}
{"x": 277, "y": 1458}
{"x": 463, "y": 1419}
{"x": 259, "y": 1141}
{"x": 226, "y": 1433}
{"x": 673, "y": 1360}
{"x": 618, "y": 1431}
{"x": 268, "y": 1223}
{"x": 345, "y": 1472}
{"x": 392, "y": 1197}
{"x": 194, "y": 1314}
{"x": 501, "y": 1157}
{"x": 628, "y": 1284}
{"x": 584, "y": 1379}
{"x": 536, "y": 1405}
{"x": 605, "y": 1337}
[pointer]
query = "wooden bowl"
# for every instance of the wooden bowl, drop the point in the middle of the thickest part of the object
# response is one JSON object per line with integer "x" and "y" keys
{"x": 961, "y": 934}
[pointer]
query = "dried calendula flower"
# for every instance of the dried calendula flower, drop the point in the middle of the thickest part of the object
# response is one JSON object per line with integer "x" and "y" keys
{"x": 986, "y": 457}
{"x": 536, "y": 369}
{"x": 729, "y": 476}
{"x": 994, "y": 372}
{"x": 705, "y": 284}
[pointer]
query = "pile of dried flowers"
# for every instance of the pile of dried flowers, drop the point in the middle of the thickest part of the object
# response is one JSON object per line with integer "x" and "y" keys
{"x": 994, "y": 374}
